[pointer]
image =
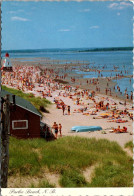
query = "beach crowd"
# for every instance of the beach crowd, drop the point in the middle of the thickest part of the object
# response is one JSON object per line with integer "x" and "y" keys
{"x": 41, "y": 82}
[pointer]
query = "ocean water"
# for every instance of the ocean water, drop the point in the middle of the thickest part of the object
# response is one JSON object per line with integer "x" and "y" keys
{"x": 125, "y": 84}
{"x": 104, "y": 60}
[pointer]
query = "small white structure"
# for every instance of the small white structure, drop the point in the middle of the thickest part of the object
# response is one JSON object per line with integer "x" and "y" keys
{"x": 7, "y": 66}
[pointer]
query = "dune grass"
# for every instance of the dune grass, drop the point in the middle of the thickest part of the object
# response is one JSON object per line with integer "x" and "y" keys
{"x": 69, "y": 156}
{"x": 73, "y": 178}
{"x": 42, "y": 184}
{"x": 36, "y": 101}
{"x": 129, "y": 145}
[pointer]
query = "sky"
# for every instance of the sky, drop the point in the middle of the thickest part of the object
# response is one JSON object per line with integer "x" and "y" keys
{"x": 40, "y": 25}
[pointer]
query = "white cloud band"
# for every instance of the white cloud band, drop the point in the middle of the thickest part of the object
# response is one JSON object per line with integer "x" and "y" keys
{"x": 94, "y": 27}
{"x": 16, "y": 18}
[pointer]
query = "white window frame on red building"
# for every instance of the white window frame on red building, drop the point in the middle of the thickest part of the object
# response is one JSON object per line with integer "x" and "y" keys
{"x": 14, "y": 128}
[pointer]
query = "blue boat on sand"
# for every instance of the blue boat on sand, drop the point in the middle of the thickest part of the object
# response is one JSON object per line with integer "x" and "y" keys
{"x": 86, "y": 128}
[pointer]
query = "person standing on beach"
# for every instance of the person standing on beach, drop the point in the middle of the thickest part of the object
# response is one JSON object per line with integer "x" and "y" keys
{"x": 59, "y": 128}
{"x": 68, "y": 109}
{"x": 127, "y": 96}
{"x": 63, "y": 108}
{"x": 55, "y": 127}
{"x": 107, "y": 106}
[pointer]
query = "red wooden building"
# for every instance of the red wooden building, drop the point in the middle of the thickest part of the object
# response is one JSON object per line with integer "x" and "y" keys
{"x": 24, "y": 118}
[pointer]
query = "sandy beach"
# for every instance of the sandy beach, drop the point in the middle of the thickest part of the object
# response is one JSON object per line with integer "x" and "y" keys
{"x": 41, "y": 81}
{"x": 75, "y": 119}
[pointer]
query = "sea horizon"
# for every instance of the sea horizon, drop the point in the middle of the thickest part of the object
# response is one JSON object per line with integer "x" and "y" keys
{"x": 81, "y": 49}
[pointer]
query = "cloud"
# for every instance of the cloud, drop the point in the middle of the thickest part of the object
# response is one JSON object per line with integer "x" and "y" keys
{"x": 14, "y": 12}
{"x": 16, "y": 18}
{"x": 64, "y": 30}
{"x": 126, "y": 4}
{"x": 85, "y": 10}
{"x": 119, "y": 6}
{"x": 113, "y": 5}
{"x": 94, "y": 27}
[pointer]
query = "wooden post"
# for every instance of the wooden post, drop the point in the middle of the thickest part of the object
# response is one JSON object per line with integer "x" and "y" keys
{"x": 0, "y": 97}
{"x": 5, "y": 141}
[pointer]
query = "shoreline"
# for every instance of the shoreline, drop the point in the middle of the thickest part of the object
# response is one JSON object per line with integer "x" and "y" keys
{"x": 66, "y": 69}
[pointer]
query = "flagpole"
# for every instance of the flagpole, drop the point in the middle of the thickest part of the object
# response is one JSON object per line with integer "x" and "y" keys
{"x": 0, "y": 102}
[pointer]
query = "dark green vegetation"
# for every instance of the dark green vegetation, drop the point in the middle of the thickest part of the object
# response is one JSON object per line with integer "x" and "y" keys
{"x": 107, "y": 49}
{"x": 129, "y": 145}
{"x": 69, "y": 157}
{"x": 38, "y": 102}
{"x": 70, "y": 50}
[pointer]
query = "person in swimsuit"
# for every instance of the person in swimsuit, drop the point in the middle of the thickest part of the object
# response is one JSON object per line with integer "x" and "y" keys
{"x": 60, "y": 127}
{"x": 55, "y": 127}
{"x": 63, "y": 108}
{"x": 68, "y": 109}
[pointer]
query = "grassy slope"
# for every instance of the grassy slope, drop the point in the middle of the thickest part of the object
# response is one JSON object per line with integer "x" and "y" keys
{"x": 36, "y": 101}
{"x": 68, "y": 157}
{"x": 129, "y": 145}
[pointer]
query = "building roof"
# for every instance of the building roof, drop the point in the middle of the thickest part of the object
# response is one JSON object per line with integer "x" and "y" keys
{"x": 21, "y": 102}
